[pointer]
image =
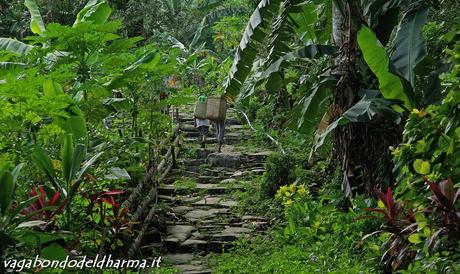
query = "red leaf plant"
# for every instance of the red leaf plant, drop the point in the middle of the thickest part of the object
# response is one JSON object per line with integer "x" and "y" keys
{"x": 447, "y": 215}
{"x": 400, "y": 223}
{"x": 396, "y": 215}
{"x": 444, "y": 198}
{"x": 44, "y": 207}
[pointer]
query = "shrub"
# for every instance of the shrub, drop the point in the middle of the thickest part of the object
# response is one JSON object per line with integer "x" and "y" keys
{"x": 312, "y": 249}
{"x": 431, "y": 147}
{"x": 280, "y": 170}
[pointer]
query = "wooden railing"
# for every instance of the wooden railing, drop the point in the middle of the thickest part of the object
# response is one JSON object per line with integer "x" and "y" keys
{"x": 150, "y": 183}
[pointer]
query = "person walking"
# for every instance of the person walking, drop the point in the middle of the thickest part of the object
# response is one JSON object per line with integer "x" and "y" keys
{"x": 218, "y": 120}
{"x": 202, "y": 125}
{"x": 203, "y": 128}
{"x": 220, "y": 132}
{"x": 220, "y": 125}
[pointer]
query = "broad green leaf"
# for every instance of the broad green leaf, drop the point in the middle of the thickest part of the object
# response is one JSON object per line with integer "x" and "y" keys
{"x": 97, "y": 11}
{"x": 117, "y": 103}
{"x": 147, "y": 62}
{"x": 248, "y": 49}
{"x": 75, "y": 124}
{"x": 67, "y": 157}
{"x": 272, "y": 73}
{"x": 198, "y": 33}
{"x": 306, "y": 21}
{"x": 33, "y": 238}
{"x": 421, "y": 146}
{"x": 51, "y": 88}
{"x": 42, "y": 161}
{"x": 78, "y": 157}
{"x": 409, "y": 45}
{"x": 87, "y": 165}
{"x": 12, "y": 66}
{"x": 367, "y": 108}
{"x": 377, "y": 60}
{"x": 421, "y": 220}
{"x": 54, "y": 252}
{"x": 16, "y": 172}
{"x": 36, "y": 22}
{"x": 15, "y": 46}
{"x": 422, "y": 167}
{"x": 309, "y": 109}
{"x": 6, "y": 190}
{"x": 414, "y": 238}
{"x": 117, "y": 173}
{"x": 80, "y": 173}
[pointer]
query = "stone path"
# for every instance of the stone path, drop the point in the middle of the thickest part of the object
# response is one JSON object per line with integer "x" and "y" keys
{"x": 202, "y": 216}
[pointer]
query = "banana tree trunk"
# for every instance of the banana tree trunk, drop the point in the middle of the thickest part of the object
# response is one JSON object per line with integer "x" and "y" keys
{"x": 361, "y": 148}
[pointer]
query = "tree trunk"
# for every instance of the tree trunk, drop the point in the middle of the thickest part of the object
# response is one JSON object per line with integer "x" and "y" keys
{"x": 361, "y": 148}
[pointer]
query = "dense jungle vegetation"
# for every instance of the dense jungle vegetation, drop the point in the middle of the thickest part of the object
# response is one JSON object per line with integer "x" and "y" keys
{"x": 358, "y": 100}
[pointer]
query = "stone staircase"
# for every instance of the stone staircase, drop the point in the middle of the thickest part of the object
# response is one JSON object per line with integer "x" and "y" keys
{"x": 201, "y": 213}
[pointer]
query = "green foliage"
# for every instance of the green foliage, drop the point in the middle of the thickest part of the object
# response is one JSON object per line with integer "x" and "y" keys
{"x": 96, "y": 11}
{"x": 424, "y": 228}
{"x": 279, "y": 171}
{"x": 15, "y": 46}
{"x": 245, "y": 54}
{"x": 88, "y": 77}
{"x": 377, "y": 59}
{"x": 410, "y": 48}
{"x": 228, "y": 31}
{"x": 36, "y": 22}
{"x": 314, "y": 247}
{"x": 431, "y": 146}
{"x": 73, "y": 170}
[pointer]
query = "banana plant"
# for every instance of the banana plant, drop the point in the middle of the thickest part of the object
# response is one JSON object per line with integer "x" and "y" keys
{"x": 95, "y": 11}
{"x": 73, "y": 170}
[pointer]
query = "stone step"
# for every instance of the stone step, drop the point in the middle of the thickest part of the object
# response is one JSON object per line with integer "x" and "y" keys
{"x": 228, "y": 140}
{"x": 197, "y": 200}
{"x": 194, "y": 245}
{"x": 230, "y": 128}
{"x": 194, "y": 176}
{"x": 258, "y": 156}
{"x": 228, "y": 121}
{"x": 227, "y": 160}
{"x": 222, "y": 171}
{"x": 192, "y": 162}
{"x": 201, "y": 216}
{"x": 178, "y": 258}
{"x": 192, "y": 269}
{"x": 199, "y": 188}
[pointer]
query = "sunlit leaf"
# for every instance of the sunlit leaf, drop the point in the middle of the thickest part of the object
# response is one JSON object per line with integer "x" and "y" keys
{"x": 36, "y": 22}
{"x": 15, "y": 46}
{"x": 97, "y": 11}
{"x": 422, "y": 167}
{"x": 376, "y": 58}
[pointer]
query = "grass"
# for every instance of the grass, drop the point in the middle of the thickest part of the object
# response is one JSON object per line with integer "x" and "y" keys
{"x": 184, "y": 183}
{"x": 331, "y": 244}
